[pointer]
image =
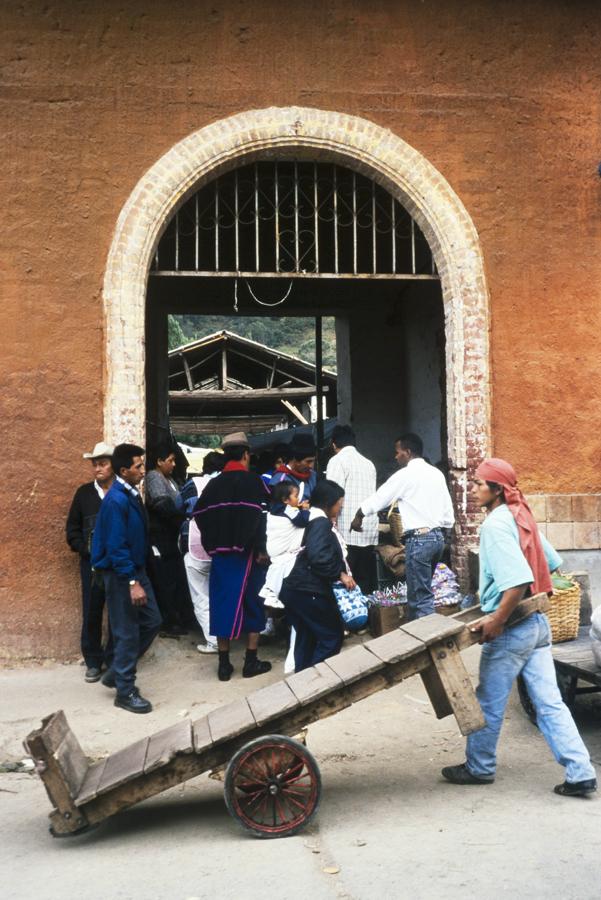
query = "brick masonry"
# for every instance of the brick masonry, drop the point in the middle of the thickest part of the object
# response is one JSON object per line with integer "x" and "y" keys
{"x": 322, "y": 135}
{"x": 94, "y": 94}
{"x": 570, "y": 521}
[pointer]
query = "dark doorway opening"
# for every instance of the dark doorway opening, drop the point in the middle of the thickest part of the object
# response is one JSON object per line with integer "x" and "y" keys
{"x": 312, "y": 241}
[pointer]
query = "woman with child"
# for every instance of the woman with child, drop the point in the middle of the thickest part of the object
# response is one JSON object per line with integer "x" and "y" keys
{"x": 307, "y": 592}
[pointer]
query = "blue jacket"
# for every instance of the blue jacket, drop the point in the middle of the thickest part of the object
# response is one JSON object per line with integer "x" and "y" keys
{"x": 120, "y": 538}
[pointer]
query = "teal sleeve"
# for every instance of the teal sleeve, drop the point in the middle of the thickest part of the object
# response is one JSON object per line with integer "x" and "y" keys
{"x": 554, "y": 560}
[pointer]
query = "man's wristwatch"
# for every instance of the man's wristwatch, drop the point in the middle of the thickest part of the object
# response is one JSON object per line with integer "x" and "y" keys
{"x": 132, "y": 582}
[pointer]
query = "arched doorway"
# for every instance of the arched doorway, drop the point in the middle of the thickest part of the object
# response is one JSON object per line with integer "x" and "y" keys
{"x": 312, "y": 135}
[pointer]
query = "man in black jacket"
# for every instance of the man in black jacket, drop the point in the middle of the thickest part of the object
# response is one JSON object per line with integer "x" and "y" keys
{"x": 80, "y": 528}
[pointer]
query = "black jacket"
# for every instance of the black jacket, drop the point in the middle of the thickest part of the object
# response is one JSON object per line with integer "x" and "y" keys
{"x": 231, "y": 513}
{"x": 82, "y": 518}
{"x": 320, "y": 561}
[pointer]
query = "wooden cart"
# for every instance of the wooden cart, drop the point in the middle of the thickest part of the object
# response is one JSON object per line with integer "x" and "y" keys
{"x": 576, "y": 669}
{"x": 272, "y": 782}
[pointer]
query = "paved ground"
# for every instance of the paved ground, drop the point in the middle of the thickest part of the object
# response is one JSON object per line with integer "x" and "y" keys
{"x": 388, "y": 824}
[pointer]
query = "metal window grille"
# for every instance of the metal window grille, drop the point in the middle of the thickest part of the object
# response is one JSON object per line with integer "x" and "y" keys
{"x": 293, "y": 219}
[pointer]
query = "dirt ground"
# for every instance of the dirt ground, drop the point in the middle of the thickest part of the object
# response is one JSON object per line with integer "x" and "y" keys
{"x": 388, "y": 825}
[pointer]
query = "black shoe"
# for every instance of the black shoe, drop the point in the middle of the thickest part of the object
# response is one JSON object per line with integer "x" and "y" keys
{"x": 93, "y": 674}
{"x": 576, "y": 788}
{"x": 108, "y": 679}
{"x": 254, "y": 667}
{"x": 173, "y": 631}
{"x": 462, "y": 775}
{"x": 224, "y": 671}
{"x": 132, "y": 702}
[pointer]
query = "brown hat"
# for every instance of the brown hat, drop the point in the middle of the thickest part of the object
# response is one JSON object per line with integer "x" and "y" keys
{"x": 236, "y": 439}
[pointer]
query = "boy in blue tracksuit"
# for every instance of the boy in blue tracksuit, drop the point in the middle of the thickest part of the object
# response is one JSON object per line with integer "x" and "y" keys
{"x": 119, "y": 550}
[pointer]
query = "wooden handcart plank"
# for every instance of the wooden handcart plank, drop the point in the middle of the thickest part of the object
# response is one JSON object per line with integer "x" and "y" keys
{"x": 123, "y": 765}
{"x": 430, "y": 629}
{"x": 72, "y": 762}
{"x": 355, "y": 663}
{"x": 457, "y": 687}
{"x": 231, "y": 720}
{"x": 314, "y": 683}
{"x": 164, "y": 745}
{"x": 394, "y": 646}
{"x": 202, "y": 734}
{"x": 89, "y": 788}
{"x": 53, "y": 731}
{"x": 272, "y": 701}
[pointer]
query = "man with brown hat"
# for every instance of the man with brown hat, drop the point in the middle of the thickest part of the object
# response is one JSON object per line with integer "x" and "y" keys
{"x": 231, "y": 517}
{"x": 80, "y": 528}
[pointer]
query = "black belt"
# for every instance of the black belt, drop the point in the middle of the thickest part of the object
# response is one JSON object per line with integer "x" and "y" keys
{"x": 419, "y": 531}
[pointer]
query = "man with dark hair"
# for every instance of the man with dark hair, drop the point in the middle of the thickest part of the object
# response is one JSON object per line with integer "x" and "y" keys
{"x": 514, "y": 559}
{"x": 119, "y": 551}
{"x": 80, "y": 528}
{"x": 300, "y": 470}
{"x": 425, "y": 506}
{"x": 230, "y": 515}
{"x": 357, "y": 476}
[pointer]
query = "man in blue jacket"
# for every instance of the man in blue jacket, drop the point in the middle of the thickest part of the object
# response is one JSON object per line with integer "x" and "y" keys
{"x": 119, "y": 550}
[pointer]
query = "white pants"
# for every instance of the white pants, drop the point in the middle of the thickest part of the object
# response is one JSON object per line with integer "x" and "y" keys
{"x": 198, "y": 572}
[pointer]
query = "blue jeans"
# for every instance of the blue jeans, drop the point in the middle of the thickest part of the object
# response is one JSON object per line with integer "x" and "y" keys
{"x": 422, "y": 554}
{"x": 525, "y": 649}
{"x": 134, "y": 627}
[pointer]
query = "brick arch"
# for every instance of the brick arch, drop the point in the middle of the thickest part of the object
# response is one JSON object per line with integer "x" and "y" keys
{"x": 315, "y": 135}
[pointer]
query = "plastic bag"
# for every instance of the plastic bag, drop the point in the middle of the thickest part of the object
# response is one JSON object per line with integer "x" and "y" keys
{"x": 352, "y": 606}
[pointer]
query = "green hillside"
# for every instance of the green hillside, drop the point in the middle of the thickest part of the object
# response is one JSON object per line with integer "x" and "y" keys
{"x": 290, "y": 335}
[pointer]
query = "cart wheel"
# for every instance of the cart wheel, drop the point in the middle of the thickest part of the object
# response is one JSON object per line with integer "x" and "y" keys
{"x": 566, "y": 689}
{"x": 272, "y": 786}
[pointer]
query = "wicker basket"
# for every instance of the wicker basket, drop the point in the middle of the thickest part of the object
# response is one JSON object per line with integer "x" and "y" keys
{"x": 564, "y": 613}
{"x": 396, "y": 525}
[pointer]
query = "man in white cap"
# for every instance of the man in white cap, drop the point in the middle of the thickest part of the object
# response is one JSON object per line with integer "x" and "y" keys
{"x": 80, "y": 528}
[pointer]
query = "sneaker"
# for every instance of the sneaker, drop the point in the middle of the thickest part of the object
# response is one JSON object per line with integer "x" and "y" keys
{"x": 133, "y": 702}
{"x": 108, "y": 679}
{"x": 269, "y": 629}
{"x": 576, "y": 788}
{"x": 93, "y": 674}
{"x": 462, "y": 775}
{"x": 209, "y": 647}
{"x": 224, "y": 671}
{"x": 255, "y": 667}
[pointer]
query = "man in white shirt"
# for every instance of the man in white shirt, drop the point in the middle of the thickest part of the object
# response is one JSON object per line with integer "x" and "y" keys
{"x": 357, "y": 476}
{"x": 425, "y": 507}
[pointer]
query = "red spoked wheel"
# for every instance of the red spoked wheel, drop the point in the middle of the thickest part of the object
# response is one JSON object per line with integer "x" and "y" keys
{"x": 272, "y": 786}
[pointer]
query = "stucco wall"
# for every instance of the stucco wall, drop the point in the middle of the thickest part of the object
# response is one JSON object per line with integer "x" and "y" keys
{"x": 501, "y": 98}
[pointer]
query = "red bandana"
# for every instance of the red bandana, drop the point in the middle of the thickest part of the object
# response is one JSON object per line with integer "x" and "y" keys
{"x": 234, "y": 466}
{"x": 503, "y": 473}
{"x": 300, "y": 476}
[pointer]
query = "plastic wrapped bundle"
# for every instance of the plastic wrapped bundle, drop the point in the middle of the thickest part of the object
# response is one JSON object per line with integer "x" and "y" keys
{"x": 445, "y": 586}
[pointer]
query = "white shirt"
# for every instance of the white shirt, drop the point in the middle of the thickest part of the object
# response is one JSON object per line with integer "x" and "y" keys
{"x": 422, "y": 493}
{"x": 357, "y": 476}
{"x": 127, "y": 486}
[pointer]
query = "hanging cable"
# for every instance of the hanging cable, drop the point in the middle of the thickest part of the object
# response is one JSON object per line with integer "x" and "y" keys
{"x": 256, "y": 299}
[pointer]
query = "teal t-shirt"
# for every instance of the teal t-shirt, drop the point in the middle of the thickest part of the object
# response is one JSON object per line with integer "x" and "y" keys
{"x": 502, "y": 563}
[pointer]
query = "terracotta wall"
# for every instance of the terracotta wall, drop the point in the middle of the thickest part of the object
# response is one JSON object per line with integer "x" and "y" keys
{"x": 503, "y": 98}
